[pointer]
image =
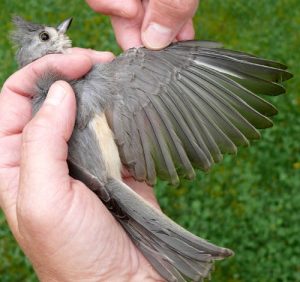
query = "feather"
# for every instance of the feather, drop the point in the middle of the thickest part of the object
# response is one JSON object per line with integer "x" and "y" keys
{"x": 173, "y": 142}
{"x": 174, "y": 252}
{"x": 149, "y": 162}
{"x": 250, "y": 105}
{"x": 216, "y": 97}
{"x": 242, "y": 66}
{"x": 164, "y": 159}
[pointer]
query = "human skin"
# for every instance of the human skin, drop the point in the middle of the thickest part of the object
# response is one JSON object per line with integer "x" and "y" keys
{"x": 62, "y": 227}
{"x": 152, "y": 23}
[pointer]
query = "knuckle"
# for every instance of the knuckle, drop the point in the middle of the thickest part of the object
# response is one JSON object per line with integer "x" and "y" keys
{"x": 35, "y": 130}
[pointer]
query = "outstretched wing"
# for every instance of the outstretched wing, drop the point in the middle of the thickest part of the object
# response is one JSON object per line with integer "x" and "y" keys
{"x": 187, "y": 105}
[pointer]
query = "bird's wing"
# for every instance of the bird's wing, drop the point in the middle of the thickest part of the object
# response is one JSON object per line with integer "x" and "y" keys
{"x": 185, "y": 106}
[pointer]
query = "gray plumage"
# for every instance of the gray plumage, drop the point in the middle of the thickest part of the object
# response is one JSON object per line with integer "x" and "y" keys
{"x": 168, "y": 112}
{"x": 27, "y": 38}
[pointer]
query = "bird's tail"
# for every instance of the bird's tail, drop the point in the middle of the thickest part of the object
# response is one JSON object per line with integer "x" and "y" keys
{"x": 175, "y": 253}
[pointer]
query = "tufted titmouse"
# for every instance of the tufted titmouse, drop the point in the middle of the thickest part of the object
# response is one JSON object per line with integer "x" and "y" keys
{"x": 159, "y": 113}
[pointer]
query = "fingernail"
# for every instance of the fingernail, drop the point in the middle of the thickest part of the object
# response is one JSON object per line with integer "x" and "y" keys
{"x": 56, "y": 94}
{"x": 157, "y": 36}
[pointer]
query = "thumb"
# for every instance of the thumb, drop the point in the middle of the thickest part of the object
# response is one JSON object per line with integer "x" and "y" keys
{"x": 164, "y": 19}
{"x": 44, "y": 179}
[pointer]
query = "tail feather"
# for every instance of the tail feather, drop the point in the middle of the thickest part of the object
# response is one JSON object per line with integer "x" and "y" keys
{"x": 159, "y": 260}
{"x": 174, "y": 252}
{"x": 169, "y": 259}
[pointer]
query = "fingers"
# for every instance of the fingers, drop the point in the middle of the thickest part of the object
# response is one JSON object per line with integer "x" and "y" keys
{"x": 187, "y": 32}
{"x": 128, "y": 31}
{"x": 164, "y": 19}
{"x": 15, "y": 108}
{"x": 21, "y": 82}
{"x": 15, "y": 112}
{"x": 95, "y": 56}
{"x": 44, "y": 179}
{"x": 15, "y": 101}
{"x": 126, "y": 18}
{"x": 152, "y": 23}
{"x": 18, "y": 88}
{"x": 121, "y": 8}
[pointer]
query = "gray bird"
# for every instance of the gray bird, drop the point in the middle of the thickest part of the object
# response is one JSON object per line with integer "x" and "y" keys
{"x": 160, "y": 114}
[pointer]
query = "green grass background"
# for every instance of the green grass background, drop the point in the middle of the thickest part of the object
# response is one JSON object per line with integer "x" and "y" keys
{"x": 249, "y": 203}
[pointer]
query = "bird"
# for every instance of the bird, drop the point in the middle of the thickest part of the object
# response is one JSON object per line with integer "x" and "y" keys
{"x": 161, "y": 114}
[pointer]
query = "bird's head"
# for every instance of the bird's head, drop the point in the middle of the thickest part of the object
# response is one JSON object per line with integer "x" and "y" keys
{"x": 34, "y": 41}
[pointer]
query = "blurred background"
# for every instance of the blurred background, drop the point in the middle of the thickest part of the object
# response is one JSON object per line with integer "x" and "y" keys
{"x": 250, "y": 202}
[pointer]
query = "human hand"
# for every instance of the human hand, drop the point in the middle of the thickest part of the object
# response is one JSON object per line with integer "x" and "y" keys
{"x": 62, "y": 226}
{"x": 152, "y": 23}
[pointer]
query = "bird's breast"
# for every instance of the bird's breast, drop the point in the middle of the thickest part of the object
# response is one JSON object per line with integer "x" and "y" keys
{"x": 108, "y": 147}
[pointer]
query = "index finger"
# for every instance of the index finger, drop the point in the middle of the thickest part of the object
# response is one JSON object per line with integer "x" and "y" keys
{"x": 164, "y": 19}
{"x": 17, "y": 91}
{"x": 121, "y": 8}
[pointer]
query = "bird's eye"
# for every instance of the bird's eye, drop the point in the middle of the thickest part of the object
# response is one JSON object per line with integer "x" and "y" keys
{"x": 44, "y": 36}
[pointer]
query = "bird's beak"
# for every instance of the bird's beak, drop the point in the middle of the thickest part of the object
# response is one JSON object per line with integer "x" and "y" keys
{"x": 64, "y": 26}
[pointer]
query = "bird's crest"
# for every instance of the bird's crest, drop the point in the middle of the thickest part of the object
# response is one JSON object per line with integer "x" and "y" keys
{"x": 23, "y": 30}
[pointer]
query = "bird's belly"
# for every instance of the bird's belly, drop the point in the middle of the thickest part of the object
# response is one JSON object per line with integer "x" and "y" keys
{"x": 108, "y": 147}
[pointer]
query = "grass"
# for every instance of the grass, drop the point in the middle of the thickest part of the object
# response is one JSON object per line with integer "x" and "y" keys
{"x": 249, "y": 203}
